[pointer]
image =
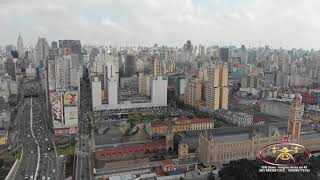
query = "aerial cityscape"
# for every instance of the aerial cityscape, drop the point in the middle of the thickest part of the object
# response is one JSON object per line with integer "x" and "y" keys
{"x": 145, "y": 104}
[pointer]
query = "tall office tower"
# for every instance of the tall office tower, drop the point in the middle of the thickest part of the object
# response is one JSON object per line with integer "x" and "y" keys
{"x": 187, "y": 48}
{"x": 67, "y": 66}
{"x": 74, "y": 79}
{"x": 112, "y": 84}
{"x": 9, "y": 48}
{"x": 192, "y": 92}
{"x": 11, "y": 68}
{"x": 224, "y": 54}
{"x": 51, "y": 76}
{"x": 130, "y": 65}
{"x": 140, "y": 65}
{"x": 43, "y": 50}
{"x": 243, "y": 53}
{"x": 60, "y": 73}
{"x": 111, "y": 69}
{"x": 20, "y": 48}
{"x": 159, "y": 91}
{"x": 217, "y": 88}
{"x": 70, "y": 47}
{"x": 96, "y": 93}
{"x": 294, "y": 120}
{"x": 144, "y": 84}
{"x": 156, "y": 67}
{"x": 75, "y": 61}
{"x": 54, "y": 44}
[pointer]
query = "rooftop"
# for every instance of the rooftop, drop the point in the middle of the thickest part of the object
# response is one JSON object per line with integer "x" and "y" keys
{"x": 201, "y": 120}
{"x": 160, "y": 123}
{"x": 168, "y": 162}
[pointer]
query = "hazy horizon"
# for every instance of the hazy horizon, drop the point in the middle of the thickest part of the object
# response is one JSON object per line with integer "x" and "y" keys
{"x": 287, "y": 23}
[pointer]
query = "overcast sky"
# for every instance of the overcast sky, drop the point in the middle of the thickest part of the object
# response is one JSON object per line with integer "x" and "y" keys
{"x": 286, "y": 23}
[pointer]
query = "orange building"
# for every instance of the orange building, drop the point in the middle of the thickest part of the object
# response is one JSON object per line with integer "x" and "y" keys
{"x": 131, "y": 152}
{"x": 160, "y": 128}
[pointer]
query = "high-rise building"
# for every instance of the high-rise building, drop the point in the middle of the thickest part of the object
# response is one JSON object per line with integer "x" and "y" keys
{"x": 20, "y": 48}
{"x": 96, "y": 93}
{"x": 243, "y": 53}
{"x": 70, "y": 46}
{"x": 217, "y": 88}
{"x": 144, "y": 84}
{"x": 54, "y": 44}
{"x": 43, "y": 50}
{"x": 224, "y": 54}
{"x": 74, "y": 78}
{"x": 130, "y": 65}
{"x": 192, "y": 93}
{"x": 60, "y": 73}
{"x": 51, "y": 76}
{"x": 112, "y": 85}
{"x": 156, "y": 67}
{"x": 11, "y": 68}
{"x": 159, "y": 91}
{"x": 224, "y": 90}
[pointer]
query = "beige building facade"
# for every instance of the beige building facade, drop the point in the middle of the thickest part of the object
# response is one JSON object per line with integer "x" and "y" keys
{"x": 217, "y": 88}
{"x": 192, "y": 92}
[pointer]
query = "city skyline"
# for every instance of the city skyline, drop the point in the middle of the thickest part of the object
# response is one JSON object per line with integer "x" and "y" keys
{"x": 287, "y": 24}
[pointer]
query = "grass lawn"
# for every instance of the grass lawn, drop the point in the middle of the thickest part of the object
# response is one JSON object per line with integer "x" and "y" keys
{"x": 12, "y": 155}
{"x": 66, "y": 151}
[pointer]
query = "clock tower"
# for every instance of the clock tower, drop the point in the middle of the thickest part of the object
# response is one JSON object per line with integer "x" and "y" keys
{"x": 294, "y": 120}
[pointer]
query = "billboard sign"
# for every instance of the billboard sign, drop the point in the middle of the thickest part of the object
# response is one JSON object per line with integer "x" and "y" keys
{"x": 65, "y": 131}
{"x": 71, "y": 116}
{"x": 57, "y": 107}
{"x": 71, "y": 98}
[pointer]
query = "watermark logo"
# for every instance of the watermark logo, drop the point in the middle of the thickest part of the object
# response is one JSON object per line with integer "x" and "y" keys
{"x": 284, "y": 153}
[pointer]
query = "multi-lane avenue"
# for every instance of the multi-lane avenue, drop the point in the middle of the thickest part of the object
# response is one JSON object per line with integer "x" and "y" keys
{"x": 83, "y": 166}
{"x": 39, "y": 158}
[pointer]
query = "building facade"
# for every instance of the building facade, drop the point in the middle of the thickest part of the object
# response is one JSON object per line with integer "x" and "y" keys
{"x": 217, "y": 88}
{"x": 219, "y": 149}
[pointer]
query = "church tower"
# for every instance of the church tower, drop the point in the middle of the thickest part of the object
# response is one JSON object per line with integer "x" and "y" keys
{"x": 294, "y": 120}
{"x": 169, "y": 139}
{"x": 183, "y": 151}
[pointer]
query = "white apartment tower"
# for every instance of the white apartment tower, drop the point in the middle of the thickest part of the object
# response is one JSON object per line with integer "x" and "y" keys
{"x": 112, "y": 84}
{"x": 159, "y": 91}
{"x": 96, "y": 93}
{"x": 60, "y": 78}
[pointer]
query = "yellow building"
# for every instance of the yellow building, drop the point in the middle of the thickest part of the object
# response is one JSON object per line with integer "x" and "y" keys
{"x": 217, "y": 88}
{"x": 156, "y": 128}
